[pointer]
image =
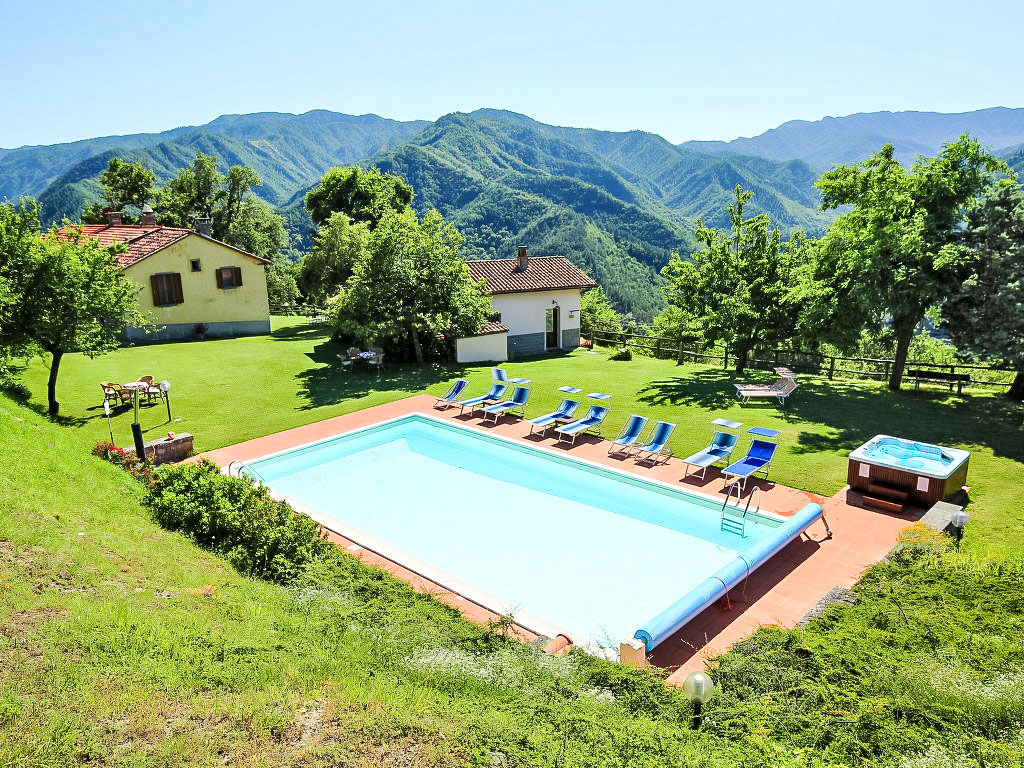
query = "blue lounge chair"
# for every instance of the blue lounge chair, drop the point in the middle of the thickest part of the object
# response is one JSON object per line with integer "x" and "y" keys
{"x": 757, "y": 461}
{"x": 631, "y": 431}
{"x": 589, "y": 423}
{"x": 563, "y": 414}
{"x": 448, "y": 398}
{"x": 516, "y": 404}
{"x": 501, "y": 375}
{"x": 719, "y": 449}
{"x": 655, "y": 445}
{"x": 494, "y": 395}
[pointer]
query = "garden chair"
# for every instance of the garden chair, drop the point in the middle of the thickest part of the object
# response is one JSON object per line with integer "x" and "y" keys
{"x": 628, "y": 435}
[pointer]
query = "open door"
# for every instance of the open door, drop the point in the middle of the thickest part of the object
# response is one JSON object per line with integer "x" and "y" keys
{"x": 551, "y": 340}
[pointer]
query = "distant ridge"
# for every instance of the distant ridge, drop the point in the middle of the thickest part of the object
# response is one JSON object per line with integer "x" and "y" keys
{"x": 833, "y": 140}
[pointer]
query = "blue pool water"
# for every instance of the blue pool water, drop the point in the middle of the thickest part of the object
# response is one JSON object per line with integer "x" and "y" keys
{"x": 924, "y": 458}
{"x": 590, "y": 550}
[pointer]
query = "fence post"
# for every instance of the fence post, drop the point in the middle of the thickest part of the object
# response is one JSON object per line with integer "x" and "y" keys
{"x": 831, "y": 367}
{"x": 886, "y": 375}
{"x": 725, "y": 359}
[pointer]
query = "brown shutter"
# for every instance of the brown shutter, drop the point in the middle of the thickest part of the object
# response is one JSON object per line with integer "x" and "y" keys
{"x": 238, "y": 276}
{"x": 154, "y": 282}
{"x": 179, "y": 298}
{"x": 220, "y": 277}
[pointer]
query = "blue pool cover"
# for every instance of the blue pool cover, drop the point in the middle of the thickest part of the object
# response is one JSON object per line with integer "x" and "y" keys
{"x": 676, "y": 616}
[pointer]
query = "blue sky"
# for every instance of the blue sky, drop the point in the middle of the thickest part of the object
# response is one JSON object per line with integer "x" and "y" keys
{"x": 684, "y": 70}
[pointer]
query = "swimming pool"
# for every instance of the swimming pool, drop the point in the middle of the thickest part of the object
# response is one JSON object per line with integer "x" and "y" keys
{"x": 565, "y": 546}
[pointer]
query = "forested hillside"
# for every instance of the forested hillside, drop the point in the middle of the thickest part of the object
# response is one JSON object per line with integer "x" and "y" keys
{"x": 617, "y": 204}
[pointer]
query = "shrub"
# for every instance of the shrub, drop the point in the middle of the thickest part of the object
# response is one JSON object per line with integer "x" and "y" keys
{"x": 232, "y": 516}
{"x": 622, "y": 353}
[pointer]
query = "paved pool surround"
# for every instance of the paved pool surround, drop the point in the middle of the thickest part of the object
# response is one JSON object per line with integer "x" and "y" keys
{"x": 780, "y": 592}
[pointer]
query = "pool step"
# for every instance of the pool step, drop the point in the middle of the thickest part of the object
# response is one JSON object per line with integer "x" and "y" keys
{"x": 883, "y": 504}
{"x": 890, "y": 498}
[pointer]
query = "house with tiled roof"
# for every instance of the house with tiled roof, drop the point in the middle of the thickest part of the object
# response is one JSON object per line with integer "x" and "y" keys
{"x": 535, "y": 303}
{"x": 193, "y": 286}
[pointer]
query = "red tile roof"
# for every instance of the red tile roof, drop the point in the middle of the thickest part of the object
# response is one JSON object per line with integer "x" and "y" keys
{"x": 487, "y": 329}
{"x": 544, "y": 273}
{"x": 143, "y": 239}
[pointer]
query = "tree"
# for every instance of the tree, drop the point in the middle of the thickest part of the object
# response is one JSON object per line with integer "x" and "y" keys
{"x": 257, "y": 229}
{"x": 282, "y": 282}
{"x": 597, "y": 313}
{"x": 337, "y": 247}
{"x": 364, "y": 194}
{"x": 410, "y": 285}
{"x": 986, "y": 317}
{"x": 125, "y": 186}
{"x": 69, "y": 295}
{"x": 19, "y": 234}
{"x": 740, "y": 288}
{"x": 239, "y": 181}
{"x": 903, "y": 246}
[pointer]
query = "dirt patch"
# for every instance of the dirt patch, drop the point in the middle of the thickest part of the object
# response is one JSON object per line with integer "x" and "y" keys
{"x": 22, "y": 624}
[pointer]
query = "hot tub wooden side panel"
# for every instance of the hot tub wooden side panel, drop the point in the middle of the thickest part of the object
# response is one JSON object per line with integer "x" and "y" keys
{"x": 939, "y": 489}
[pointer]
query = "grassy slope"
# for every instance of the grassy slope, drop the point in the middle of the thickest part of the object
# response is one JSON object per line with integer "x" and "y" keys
{"x": 232, "y": 390}
{"x": 122, "y": 644}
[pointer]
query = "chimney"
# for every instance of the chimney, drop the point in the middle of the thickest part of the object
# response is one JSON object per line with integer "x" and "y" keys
{"x": 148, "y": 218}
{"x": 203, "y": 227}
{"x": 112, "y": 217}
{"x": 524, "y": 259}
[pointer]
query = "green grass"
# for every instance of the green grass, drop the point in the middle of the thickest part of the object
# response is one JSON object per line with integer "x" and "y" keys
{"x": 233, "y": 390}
{"x": 124, "y": 645}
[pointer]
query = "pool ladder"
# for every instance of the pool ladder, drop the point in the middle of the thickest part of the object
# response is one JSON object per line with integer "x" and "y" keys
{"x": 235, "y": 469}
{"x": 738, "y": 524}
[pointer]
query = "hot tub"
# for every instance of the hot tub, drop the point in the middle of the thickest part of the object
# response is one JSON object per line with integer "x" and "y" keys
{"x": 926, "y": 473}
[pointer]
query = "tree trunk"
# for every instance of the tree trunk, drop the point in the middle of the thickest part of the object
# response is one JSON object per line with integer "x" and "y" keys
{"x": 1017, "y": 388}
{"x": 742, "y": 355}
{"x": 904, "y": 335}
{"x": 51, "y": 384}
{"x": 416, "y": 348}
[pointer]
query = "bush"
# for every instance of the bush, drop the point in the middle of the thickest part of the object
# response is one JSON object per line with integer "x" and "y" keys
{"x": 232, "y": 516}
{"x": 622, "y": 353}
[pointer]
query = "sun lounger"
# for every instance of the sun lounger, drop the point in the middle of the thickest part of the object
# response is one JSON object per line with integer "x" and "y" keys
{"x": 745, "y": 395}
{"x": 448, "y": 398}
{"x": 655, "y": 445}
{"x": 629, "y": 434}
{"x": 757, "y": 461}
{"x": 563, "y": 414}
{"x": 517, "y": 403}
{"x": 589, "y": 423}
{"x": 719, "y": 449}
{"x": 494, "y": 395}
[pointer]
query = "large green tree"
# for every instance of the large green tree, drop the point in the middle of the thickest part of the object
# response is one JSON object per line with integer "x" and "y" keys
{"x": 337, "y": 246}
{"x": 200, "y": 190}
{"x": 410, "y": 285}
{"x": 901, "y": 248}
{"x": 597, "y": 313}
{"x": 740, "y": 288}
{"x": 985, "y": 319}
{"x": 67, "y": 292}
{"x": 126, "y": 188}
{"x": 363, "y": 194}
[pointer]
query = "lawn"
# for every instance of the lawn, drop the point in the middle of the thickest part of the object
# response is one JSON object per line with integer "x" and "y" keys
{"x": 122, "y": 644}
{"x": 232, "y": 390}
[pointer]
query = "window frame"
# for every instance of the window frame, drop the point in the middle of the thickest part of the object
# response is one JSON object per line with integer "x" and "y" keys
{"x": 223, "y": 274}
{"x": 166, "y": 287}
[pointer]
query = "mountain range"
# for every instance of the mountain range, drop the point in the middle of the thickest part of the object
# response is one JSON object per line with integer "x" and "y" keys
{"x": 617, "y": 204}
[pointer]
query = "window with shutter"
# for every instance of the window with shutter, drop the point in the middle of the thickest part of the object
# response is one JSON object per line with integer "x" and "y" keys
{"x": 229, "y": 277}
{"x": 166, "y": 289}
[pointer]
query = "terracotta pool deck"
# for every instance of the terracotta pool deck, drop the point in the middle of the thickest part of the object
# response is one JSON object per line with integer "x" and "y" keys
{"x": 780, "y": 593}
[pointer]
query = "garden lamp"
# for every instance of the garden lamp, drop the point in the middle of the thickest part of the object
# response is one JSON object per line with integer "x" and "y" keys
{"x": 165, "y": 387}
{"x": 959, "y": 520}
{"x": 106, "y": 412}
{"x": 698, "y": 688}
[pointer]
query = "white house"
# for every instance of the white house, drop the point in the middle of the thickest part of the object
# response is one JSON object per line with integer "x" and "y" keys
{"x": 535, "y": 304}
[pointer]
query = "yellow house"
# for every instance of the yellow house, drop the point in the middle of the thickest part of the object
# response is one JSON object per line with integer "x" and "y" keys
{"x": 192, "y": 285}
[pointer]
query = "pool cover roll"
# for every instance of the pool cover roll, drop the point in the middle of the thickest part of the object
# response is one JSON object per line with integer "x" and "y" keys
{"x": 673, "y": 618}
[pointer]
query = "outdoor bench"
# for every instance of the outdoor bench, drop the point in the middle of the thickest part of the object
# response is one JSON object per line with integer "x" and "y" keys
{"x": 942, "y": 377}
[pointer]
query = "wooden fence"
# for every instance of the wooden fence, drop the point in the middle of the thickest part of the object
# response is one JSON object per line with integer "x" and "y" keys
{"x": 830, "y": 366}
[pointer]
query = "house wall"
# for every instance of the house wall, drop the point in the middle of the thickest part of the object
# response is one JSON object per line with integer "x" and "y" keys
{"x": 524, "y": 314}
{"x": 478, "y": 349}
{"x": 242, "y": 311}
